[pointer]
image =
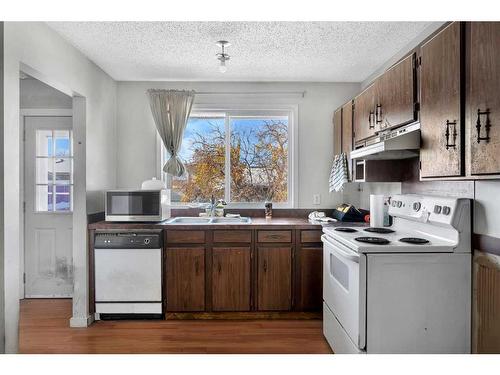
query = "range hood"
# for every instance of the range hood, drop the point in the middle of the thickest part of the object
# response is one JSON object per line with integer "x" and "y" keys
{"x": 400, "y": 143}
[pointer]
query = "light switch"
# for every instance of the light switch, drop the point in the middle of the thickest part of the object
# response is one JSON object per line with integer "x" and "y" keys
{"x": 316, "y": 199}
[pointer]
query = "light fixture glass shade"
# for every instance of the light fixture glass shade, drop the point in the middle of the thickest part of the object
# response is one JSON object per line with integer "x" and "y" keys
{"x": 222, "y": 66}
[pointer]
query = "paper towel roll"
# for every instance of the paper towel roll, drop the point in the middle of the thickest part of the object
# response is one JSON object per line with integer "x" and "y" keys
{"x": 376, "y": 210}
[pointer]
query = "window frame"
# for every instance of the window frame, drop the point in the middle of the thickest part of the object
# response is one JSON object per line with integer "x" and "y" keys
{"x": 245, "y": 111}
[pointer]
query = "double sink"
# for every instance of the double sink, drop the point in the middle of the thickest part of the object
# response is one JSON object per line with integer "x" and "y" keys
{"x": 209, "y": 220}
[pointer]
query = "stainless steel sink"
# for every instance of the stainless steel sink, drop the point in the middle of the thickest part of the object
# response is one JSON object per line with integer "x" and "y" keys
{"x": 209, "y": 220}
{"x": 189, "y": 220}
{"x": 231, "y": 220}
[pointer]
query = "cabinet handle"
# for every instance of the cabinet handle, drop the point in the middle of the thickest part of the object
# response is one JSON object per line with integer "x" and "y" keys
{"x": 265, "y": 266}
{"x": 378, "y": 114}
{"x": 487, "y": 126}
{"x": 447, "y": 134}
{"x": 371, "y": 125}
{"x": 196, "y": 267}
{"x": 219, "y": 267}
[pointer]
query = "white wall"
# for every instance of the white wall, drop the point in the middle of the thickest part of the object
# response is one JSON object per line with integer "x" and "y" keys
{"x": 36, "y": 46}
{"x": 487, "y": 208}
{"x": 2, "y": 289}
{"x": 36, "y": 94}
{"x": 137, "y": 133}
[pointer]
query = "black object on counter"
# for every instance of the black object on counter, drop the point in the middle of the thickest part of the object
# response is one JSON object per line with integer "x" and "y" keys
{"x": 347, "y": 212}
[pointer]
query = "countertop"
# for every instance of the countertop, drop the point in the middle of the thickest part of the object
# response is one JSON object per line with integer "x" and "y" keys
{"x": 257, "y": 223}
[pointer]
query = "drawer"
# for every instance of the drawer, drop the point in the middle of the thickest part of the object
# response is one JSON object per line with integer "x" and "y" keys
{"x": 274, "y": 236}
{"x": 185, "y": 236}
{"x": 308, "y": 236}
{"x": 244, "y": 236}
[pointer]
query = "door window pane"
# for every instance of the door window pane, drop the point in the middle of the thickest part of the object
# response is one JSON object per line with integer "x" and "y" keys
{"x": 63, "y": 170}
{"x": 259, "y": 159}
{"x": 203, "y": 154}
{"x": 54, "y": 171}
{"x": 44, "y": 170}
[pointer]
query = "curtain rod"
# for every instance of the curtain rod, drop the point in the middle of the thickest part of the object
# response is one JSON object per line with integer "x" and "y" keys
{"x": 298, "y": 93}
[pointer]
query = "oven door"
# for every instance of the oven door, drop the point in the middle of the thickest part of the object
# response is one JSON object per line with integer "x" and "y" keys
{"x": 344, "y": 287}
{"x": 138, "y": 205}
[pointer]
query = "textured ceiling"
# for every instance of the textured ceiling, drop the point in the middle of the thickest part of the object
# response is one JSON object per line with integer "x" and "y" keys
{"x": 260, "y": 51}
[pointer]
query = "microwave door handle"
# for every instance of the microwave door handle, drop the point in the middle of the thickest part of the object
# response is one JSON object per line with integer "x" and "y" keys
{"x": 344, "y": 254}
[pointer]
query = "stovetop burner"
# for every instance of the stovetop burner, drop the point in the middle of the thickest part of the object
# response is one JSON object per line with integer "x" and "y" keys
{"x": 373, "y": 240}
{"x": 343, "y": 229}
{"x": 414, "y": 240}
{"x": 379, "y": 230}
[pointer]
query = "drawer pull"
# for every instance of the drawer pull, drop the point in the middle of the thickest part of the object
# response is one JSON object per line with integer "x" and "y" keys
{"x": 454, "y": 134}
{"x": 378, "y": 114}
{"x": 487, "y": 126}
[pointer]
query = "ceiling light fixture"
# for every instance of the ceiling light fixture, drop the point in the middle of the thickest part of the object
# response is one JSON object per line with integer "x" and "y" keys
{"x": 223, "y": 56}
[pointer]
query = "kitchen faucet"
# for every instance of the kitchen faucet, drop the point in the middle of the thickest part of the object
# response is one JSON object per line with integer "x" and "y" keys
{"x": 213, "y": 205}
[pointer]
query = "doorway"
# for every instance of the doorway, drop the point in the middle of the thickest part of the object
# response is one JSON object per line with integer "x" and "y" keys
{"x": 46, "y": 115}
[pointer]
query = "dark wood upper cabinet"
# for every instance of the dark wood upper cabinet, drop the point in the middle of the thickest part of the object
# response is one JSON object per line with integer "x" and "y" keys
{"x": 337, "y": 131}
{"x": 311, "y": 278}
{"x": 440, "y": 97}
{"x": 396, "y": 95}
{"x": 231, "y": 279}
{"x": 483, "y": 96}
{"x": 364, "y": 114}
{"x": 274, "y": 278}
{"x": 185, "y": 279}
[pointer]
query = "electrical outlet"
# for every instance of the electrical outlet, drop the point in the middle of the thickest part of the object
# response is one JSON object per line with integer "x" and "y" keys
{"x": 316, "y": 199}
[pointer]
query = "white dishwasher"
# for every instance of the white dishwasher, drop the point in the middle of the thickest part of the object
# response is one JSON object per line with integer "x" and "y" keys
{"x": 128, "y": 274}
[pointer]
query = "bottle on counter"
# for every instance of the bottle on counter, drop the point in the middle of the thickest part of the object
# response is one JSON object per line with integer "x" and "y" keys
{"x": 268, "y": 209}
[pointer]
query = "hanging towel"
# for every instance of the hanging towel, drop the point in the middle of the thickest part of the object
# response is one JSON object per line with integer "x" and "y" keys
{"x": 339, "y": 174}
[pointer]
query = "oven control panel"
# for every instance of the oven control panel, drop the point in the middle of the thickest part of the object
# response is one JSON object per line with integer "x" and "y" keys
{"x": 437, "y": 210}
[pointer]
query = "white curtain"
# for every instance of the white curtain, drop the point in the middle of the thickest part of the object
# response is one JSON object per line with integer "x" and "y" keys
{"x": 171, "y": 109}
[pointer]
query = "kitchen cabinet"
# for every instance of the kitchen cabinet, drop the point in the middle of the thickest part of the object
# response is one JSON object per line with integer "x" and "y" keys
{"x": 337, "y": 131}
{"x": 231, "y": 279}
{"x": 310, "y": 278}
{"x": 395, "y": 92}
{"x": 274, "y": 278}
{"x": 185, "y": 278}
{"x": 440, "y": 104}
{"x": 483, "y": 99}
{"x": 364, "y": 114}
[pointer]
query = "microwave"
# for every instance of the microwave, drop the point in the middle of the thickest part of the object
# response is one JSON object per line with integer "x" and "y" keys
{"x": 137, "y": 205}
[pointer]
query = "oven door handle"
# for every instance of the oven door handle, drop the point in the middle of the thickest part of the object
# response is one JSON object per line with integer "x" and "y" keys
{"x": 350, "y": 255}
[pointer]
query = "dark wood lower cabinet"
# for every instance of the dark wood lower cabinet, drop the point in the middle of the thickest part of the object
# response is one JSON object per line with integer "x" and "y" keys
{"x": 231, "y": 279}
{"x": 311, "y": 278}
{"x": 185, "y": 279}
{"x": 274, "y": 278}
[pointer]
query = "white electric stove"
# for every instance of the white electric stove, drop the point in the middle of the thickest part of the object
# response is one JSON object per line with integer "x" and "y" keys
{"x": 404, "y": 288}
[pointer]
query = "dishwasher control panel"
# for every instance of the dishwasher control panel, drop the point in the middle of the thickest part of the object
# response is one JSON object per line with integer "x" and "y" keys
{"x": 128, "y": 240}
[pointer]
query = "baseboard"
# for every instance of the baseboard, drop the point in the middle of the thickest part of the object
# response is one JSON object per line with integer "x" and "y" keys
{"x": 81, "y": 322}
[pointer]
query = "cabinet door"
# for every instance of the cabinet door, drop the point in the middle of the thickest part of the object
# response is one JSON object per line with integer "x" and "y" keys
{"x": 347, "y": 140}
{"x": 185, "y": 275}
{"x": 483, "y": 44}
{"x": 395, "y": 95}
{"x": 274, "y": 278}
{"x": 231, "y": 279}
{"x": 440, "y": 121}
{"x": 364, "y": 115}
{"x": 311, "y": 278}
{"x": 337, "y": 131}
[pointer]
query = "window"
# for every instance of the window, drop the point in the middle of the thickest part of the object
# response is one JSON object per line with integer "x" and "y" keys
{"x": 243, "y": 157}
{"x": 54, "y": 171}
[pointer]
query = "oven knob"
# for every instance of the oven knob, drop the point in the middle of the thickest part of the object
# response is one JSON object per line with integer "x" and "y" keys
{"x": 416, "y": 206}
{"x": 394, "y": 203}
{"x": 446, "y": 210}
{"x": 400, "y": 204}
{"x": 147, "y": 241}
{"x": 437, "y": 209}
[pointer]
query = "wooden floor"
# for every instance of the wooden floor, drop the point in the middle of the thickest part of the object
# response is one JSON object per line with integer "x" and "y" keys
{"x": 44, "y": 328}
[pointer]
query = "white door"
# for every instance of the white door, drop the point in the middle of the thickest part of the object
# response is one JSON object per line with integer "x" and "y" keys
{"x": 48, "y": 195}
